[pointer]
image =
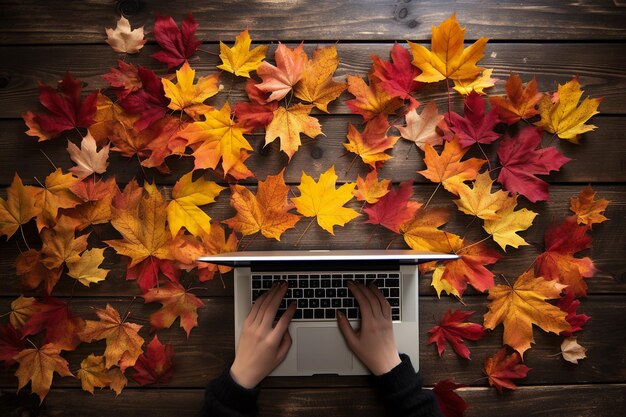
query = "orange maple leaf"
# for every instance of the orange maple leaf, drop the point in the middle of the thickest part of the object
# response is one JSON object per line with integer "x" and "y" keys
{"x": 501, "y": 369}
{"x": 370, "y": 100}
{"x": 520, "y": 102}
{"x": 56, "y": 195}
{"x": 588, "y": 211}
{"x": 280, "y": 79}
{"x": 177, "y": 302}
{"x": 372, "y": 143}
{"x": 19, "y": 207}
{"x": 288, "y": 123}
{"x": 371, "y": 190}
{"x": 33, "y": 272}
{"x": 422, "y": 231}
{"x": 61, "y": 245}
{"x": 37, "y": 365}
{"x": 93, "y": 373}
{"x": 317, "y": 86}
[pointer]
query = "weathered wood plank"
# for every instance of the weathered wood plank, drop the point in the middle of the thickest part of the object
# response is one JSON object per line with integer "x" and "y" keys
{"x": 317, "y": 155}
{"x": 210, "y": 346}
{"x": 33, "y": 22}
{"x": 600, "y": 68}
{"x": 607, "y": 250}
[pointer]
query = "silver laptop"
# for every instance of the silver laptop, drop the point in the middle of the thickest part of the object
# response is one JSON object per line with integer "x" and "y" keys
{"x": 317, "y": 282}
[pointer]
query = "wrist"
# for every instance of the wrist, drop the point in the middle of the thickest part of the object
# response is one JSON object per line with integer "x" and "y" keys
{"x": 386, "y": 366}
{"x": 242, "y": 378}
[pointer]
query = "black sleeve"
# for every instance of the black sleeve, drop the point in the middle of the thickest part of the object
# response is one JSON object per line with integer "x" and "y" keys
{"x": 225, "y": 398}
{"x": 402, "y": 392}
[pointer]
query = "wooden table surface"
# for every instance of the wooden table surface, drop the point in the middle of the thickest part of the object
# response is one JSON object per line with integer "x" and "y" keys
{"x": 551, "y": 40}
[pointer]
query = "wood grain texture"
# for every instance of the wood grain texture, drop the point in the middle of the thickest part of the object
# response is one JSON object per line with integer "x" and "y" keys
{"x": 37, "y": 22}
{"x": 600, "y": 69}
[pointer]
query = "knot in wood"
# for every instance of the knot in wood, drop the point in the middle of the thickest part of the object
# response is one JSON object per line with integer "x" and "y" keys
{"x": 316, "y": 152}
{"x": 129, "y": 7}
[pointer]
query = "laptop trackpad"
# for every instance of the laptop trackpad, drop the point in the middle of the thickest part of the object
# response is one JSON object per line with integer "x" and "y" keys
{"x": 322, "y": 350}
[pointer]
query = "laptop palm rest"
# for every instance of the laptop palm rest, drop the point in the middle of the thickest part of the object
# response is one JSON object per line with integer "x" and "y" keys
{"x": 322, "y": 349}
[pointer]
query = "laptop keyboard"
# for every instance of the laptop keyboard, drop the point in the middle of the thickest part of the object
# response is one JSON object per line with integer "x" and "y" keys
{"x": 320, "y": 295}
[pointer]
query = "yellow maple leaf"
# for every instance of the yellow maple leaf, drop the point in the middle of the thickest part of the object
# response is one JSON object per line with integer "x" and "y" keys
{"x": 448, "y": 59}
{"x": 479, "y": 201}
{"x": 239, "y": 59}
{"x": 21, "y": 310}
{"x": 61, "y": 245}
{"x": 187, "y": 96}
{"x": 56, "y": 195}
{"x": 442, "y": 285}
{"x": 504, "y": 228}
{"x": 370, "y": 189}
{"x": 93, "y": 373}
{"x": 322, "y": 201}
{"x": 422, "y": 232}
{"x": 477, "y": 84}
{"x": 317, "y": 86}
{"x": 588, "y": 211}
{"x": 561, "y": 114}
{"x": 183, "y": 210}
{"x": 287, "y": 125}
{"x": 520, "y": 306}
{"x": 86, "y": 268}
{"x": 19, "y": 207}
{"x": 37, "y": 365}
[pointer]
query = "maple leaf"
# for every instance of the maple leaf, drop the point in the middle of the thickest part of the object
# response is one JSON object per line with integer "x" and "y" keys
{"x": 475, "y": 126}
{"x": 317, "y": 85}
{"x": 371, "y": 190}
{"x": 239, "y": 59}
{"x": 448, "y": 59}
{"x": 521, "y": 161}
{"x": 154, "y": 366}
{"x": 397, "y": 77}
{"x": 220, "y": 138}
{"x": 38, "y": 365}
{"x": 561, "y": 114}
{"x": 149, "y": 102}
{"x": 62, "y": 326}
{"x": 187, "y": 96}
{"x": 160, "y": 140}
{"x": 422, "y": 232}
{"x": 176, "y": 44}
{"x": 288, "y": 123}
{"x": 257, "y": 113}
{"x": 33, "y": 272}
{"x": 441, "y": 285}
{"x": 55, "y": 195}
{"x": 67, "y": 110}
{"x": 177, "y": 302}
{"x": 124, "y": 79}
{"x": 447, "y": 168}
{"x": 520, "y": 102}
{"x": 97, "y": 205}
{"x": 569, "y": 304}
{"x": 86, "y": 269}
{"x": 183, "y": 210}
{"x": 504, "y": 228}
{"x": 520, "y": 306}
{"x": 452, "y": 328}
{"x": 572, "y": 351}
{"x": 479, "y": 201}
{"x": 477, "y": 85}
{"x": 558, "y": 263}
{"x": 421, "y": 128}
{"x": 11, "y": 343}
{"x": 19, "y": 207}
{"x": 123, "y": 39}
{"x": 588, "y": 211}
{"x": 88, "y": 159}
{"x": 22, "y": 308}
{"x": 470, "y": 267}
{"x": 501, "y": 369}
{"x": 280, "y": 79}
{"x": 450, "y": 403}
{"x": 266, "y": 212}
{"x": 93, "y": 373}
{"x": 322, "y": 201}
{"x": 372, "y": 143}
{"x": 61, "y": 245}
{"x": 123, "y": 343}
{"x": 393, "y": 209}
{"x": 370, "y": 100}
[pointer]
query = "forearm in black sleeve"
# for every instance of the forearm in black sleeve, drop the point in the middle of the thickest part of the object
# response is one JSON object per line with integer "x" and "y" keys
{"x": 225, "y": 398}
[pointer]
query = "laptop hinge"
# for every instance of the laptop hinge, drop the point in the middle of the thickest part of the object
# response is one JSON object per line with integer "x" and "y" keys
{"x": 324, "y": 266}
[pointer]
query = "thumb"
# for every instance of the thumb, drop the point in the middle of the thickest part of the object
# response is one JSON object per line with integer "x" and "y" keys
{"x": 346, "y": 330}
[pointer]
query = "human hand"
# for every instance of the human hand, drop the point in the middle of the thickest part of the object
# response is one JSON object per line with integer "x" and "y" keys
{"x": 261, "y": 346}
{"x": 373, "y": 343}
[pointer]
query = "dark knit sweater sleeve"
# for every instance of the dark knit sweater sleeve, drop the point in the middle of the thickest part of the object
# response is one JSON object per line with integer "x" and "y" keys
{"x": 225, "y": 398}
{"x": 402, "y": 392}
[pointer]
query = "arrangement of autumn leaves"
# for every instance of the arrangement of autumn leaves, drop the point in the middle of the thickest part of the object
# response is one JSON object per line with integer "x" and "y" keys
{"x": 150, "y": 118}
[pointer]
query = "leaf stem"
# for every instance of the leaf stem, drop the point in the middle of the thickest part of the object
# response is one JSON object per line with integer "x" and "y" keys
{"x": 475, "y": 243}
{"x": 431, "y": 196}
{"x": 485, "y": 155}
{"x": 24, "y": 237}
{"x": 305, "y": 230}
{"x": 48, "y": 158}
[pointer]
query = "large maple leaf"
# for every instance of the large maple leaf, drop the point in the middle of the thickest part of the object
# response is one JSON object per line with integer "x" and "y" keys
{"x": 558, "y": 263}
{"x": 93, "y": 373}
{"x": 372, "y": 143}
{"x": 187, "y": 96}
{"x": 370, "y": 189}
{"x": 448, "y": 59}
{"x": 123, "y": 343}
{"x": 37, "y": 365}
{"x": 523, "y": 304}
{"x": 239, "y": 59}
{"x": 479, "y": 201}
{"x": 397, "y": 77}
{"x": 266, "y": 212}
{"x": 123, "y": 39}
{"x": 453, "y": 328}
{"x": 176, "y": 44}
{"x": 588, "y": 211}
{"x": 501, "y": 369}
{"x": 520, "y": 102}
{"x": 177, "y": 302}
{"x": 510, "y": 221}
{"x": 62, "y": 326}
{"x": 370, "y": 100}
{"x": 280, "y": 79}
{"x": 422, "y": 128}
{"x": 561, "y": 114}
{"x": 474, "y": 126}
{"x": 394, "y": 208}
{"x": 288, "y": 123}
{"x": 19, "y": 207}
{"x": 56, "y": 195}
{"x": 317, "y": 85}
{"x": 521, "y": 161}
{"x": 154, "y": 366}
{"x": 447, "y": 168}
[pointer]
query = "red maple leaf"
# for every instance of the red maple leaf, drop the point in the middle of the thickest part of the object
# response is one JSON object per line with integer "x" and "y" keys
{"x": 177, "y": 45}
{"x": 569, "y": 304}
{"x": 60, "y": 323}
{"x": 521, "y": 161}
{"x": 397, "y": 77}
{"x": 475, "y": 126}
{"x": 67, "y": 110}
{"x": 450, "y": 403}
{"x": 11, "y": 343}
{"x": 453, "y": 329}
{"x": 154, "y": 366}
{"x": 147, "y": 272}
{"x": 393, "y": 209}
{"x": 501, "y": 369}
{"x": 558, "y": 261}
{"x": 124, "y": 79}
{"x": 258, "y": 112}
{"x": 149, "y": 102}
